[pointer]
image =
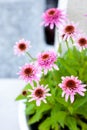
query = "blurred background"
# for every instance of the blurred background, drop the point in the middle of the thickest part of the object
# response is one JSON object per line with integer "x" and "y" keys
{"x": 21, "y": 19}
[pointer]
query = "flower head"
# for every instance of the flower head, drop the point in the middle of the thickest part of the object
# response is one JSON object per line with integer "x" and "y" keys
{"x": 29, "y": 73}
{"x": 39, "y": 94}
{"x": 21, "y": 47}
{"x": 70, "y": 86}
{"x": 24, "y": 92}
{"x": 69, "y": 30}
{"x": 46, "y": 60}
{"x": 81, "y": 41}
{"x": 53, "y": 16}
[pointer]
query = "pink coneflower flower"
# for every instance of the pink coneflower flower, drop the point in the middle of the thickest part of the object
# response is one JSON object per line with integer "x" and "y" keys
{"x": 81, "y": 42}
{"x": 53, "y": 16}
{"x": 69, "y": 30}
{"x": 21, "y": 47}
{"x": 70, "y": 86}
{"x": 39, "y": 94}
{"x": 29, "y": 73}
{"x": 46, "y": 61}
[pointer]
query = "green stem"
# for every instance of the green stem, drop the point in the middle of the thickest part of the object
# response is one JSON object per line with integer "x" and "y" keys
{"x": 60, "y": 49}
{"x": 67, "y": 44}
{"x": 72, "y": 41}
{"x": 68, "y": 49}
{"x": 30, "y": 56}
{"x": 50, "y": 103}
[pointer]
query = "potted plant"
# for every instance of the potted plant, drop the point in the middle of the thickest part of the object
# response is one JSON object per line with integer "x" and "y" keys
{"x": 55, "y": 95}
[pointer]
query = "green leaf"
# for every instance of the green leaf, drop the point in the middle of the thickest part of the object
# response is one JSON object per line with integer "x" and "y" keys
{"x": 40, "y": 111}
{"x": 20, "y": 97}
{"x": 35, "y": 118}
{"x": 45, "y": 125}
{"x": 62, "y": 101}
{"x": 82, "y": 110}
{"x": 28, "y": 86}
{"x": 71, "y": 123}
{"x": 43, "y": 107}
{"x": 30, "y": 109}
{"x": 59, "y": 117}
{"x": 56, "y": 127}
{"x": 82, "y": 124}
{"x": 80, "y": 101}
{"x": 70, "y": 70}
{"x": 60, "y": 48}
{"x": 83, "y": 72}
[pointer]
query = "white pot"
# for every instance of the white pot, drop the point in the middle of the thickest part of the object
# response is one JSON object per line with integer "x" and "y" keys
{"x": 22, "y": 117}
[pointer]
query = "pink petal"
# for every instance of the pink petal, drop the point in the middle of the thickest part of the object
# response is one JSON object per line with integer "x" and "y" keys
{"x": 81, "y": 93}
{"x": 45, "y": 71}
{"x": 71, "y": 98}
{"x": 44, "y": 101}
{"x": 63, "y": 93}
{"x": 66, "y": 97}
{"x": 30, "y": 100}
{"x": 55, "y": 67}
{"x": 38, "y": 102}
{"x": 51, "y": 26}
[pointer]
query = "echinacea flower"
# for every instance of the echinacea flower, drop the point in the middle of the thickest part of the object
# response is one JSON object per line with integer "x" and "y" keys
{"x": 53, "y": 16}
{"x": 46, "y": 60}
{"x": 81, "y": 41}
{"x": 29, "y": 73}
{"x": 39, "y": 94}
{"x": 69, "y": 30}
{"x": 21, "y": 47}
{"x": 70, "y": 86}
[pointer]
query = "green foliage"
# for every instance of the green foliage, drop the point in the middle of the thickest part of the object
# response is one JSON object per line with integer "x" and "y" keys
{"x": 30, "y": 108}
{"x": 46, "y": 124}
{"x": 59, "y": 117}
{"x": 39, "y": 112}
{"x": 80, "y": 101}
{"x": 20, "y": 97}
{"x": 71, "y": 122}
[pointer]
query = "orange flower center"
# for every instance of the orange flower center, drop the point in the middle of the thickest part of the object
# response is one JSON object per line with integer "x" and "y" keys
{"x": 28, "y": 71}
{"x": 71, "y": 84}
{"x": 69, "y": 29}
{"x": 22, "y": 46}
{"x": 45, "y": 56}
{"x": 51, "y": 12}
{"x": 39, "y": 93}
{"x": 82, "y": 41}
